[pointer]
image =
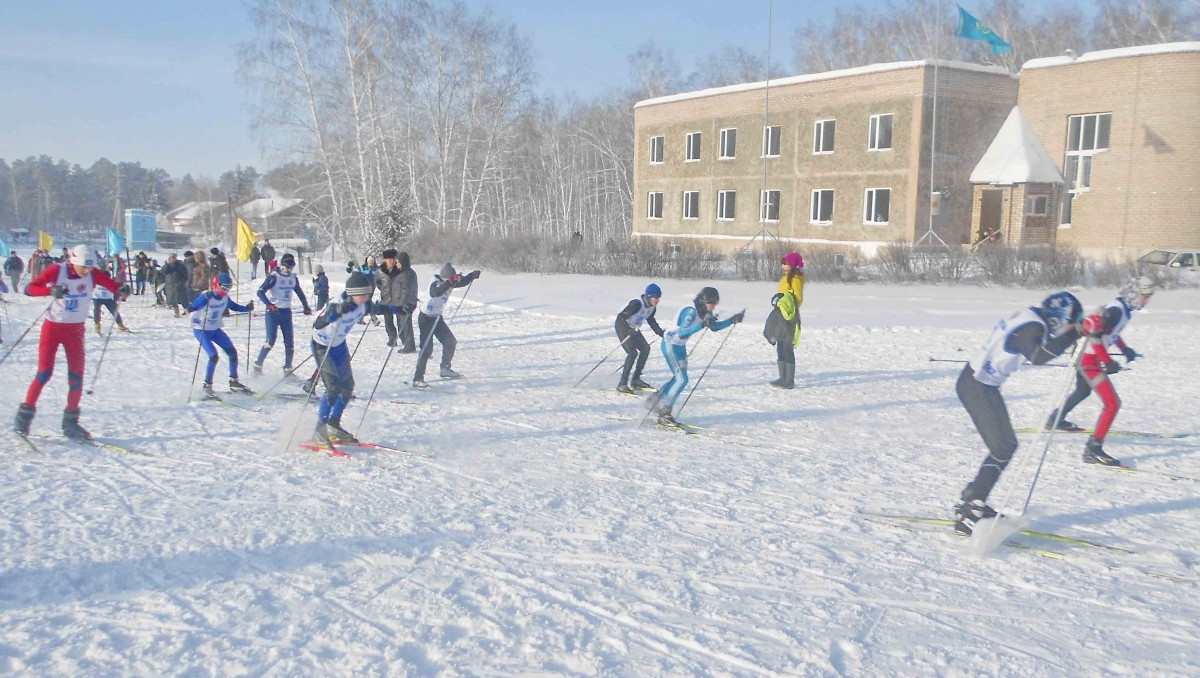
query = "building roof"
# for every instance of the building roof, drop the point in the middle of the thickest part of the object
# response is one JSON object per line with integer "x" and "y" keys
{"x": 1016, "y": 156}
{"x": 1121, "y": 53}
{"x": 192, "y": 210}
{"x": 827, "y": 75}
{"x": 263, "y": 208}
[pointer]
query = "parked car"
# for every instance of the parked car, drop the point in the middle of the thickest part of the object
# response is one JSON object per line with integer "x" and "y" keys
{"x": 1187, "y": 260}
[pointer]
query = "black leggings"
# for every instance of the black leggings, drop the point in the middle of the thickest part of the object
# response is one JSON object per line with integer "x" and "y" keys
{"x": 986, "y": 407}
{"x": 636, "y": 350}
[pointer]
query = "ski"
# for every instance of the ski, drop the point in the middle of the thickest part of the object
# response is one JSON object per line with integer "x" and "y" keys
{"x": 1131, "y": 470}
{"x": 29, "y": 443}
{"x": 1048, "y": 536}
{"x": 92, "y": 442}
{"x": 217, "y": 400}
{"x": 383, "y": 448}
{"x": 1121, "y": 434}
{"x": 917, "y": 526}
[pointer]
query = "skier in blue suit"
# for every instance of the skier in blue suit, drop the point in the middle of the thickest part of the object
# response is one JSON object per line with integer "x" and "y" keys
{"x": 208, "y": 312}
{"x": 691, "y": 320}
{"x": 276, "y": 294}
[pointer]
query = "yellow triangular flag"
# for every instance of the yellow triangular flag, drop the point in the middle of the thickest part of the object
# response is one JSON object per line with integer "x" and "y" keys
{"x": 245, "y": 240}
{"x": 45, "y": 242}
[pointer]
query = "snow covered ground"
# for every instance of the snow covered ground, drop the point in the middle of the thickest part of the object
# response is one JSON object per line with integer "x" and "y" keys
{"x": 548, "y": 536}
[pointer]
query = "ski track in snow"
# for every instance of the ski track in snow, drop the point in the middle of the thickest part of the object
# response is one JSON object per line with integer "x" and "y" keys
{"x": 549, "y": 536}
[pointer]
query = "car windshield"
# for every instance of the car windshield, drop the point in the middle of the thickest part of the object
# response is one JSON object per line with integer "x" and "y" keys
{"x": 1160, "y": 257}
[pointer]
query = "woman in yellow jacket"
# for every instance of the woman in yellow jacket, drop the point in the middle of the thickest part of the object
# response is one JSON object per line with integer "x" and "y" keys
{"x": 788, "y": 300}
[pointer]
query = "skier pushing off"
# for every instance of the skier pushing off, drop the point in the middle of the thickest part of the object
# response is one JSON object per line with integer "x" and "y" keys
{"x": 333, "y": 359}
{"x": 102, "y": 298}
{"x": 1036, "y": 334}
{"x": 276, "y": 294}
{"x": 432, "y": 324}
{"x": 629, "y": 331}
{"x": 1103, "y": 329}
{"x": 208, "y": 314}
{"x": 70, "y": 283}
{"x": 691, "y": 319}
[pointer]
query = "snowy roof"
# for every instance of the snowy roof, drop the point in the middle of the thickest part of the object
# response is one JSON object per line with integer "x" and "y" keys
{"x": 1016, "y": 156}
{"x": 827, "y": 75}
{"x": 1121, "y": 53}
{"x": 262, "y": 208}
{"x": 192, "y": 210}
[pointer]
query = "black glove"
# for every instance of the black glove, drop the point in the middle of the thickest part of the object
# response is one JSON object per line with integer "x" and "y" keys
{"x": 335, "y": 310}
{"x": 659, "y": 332}
{"x": 709, "y": 320}
{"x": 1112, "y": 367}
{"x": 738, "y": 317}
{"x": 1131, "y": 355}
{"x": 409, "y": 308}
{"x": 249, "y": 306}
{"x": 475, "y": 274}
{"x": 58, "y": 291}
{"x": 775, "y": 299}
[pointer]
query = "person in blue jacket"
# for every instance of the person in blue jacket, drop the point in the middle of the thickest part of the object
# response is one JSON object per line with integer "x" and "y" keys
{"x": 320, "y": 287}
{"x": 276, "y": 293}
{"x": 208, "y": 313}
{"x": 691, "y": 319}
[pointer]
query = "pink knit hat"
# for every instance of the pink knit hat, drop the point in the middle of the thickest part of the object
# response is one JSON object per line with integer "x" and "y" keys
{"x": 794, "y": 260}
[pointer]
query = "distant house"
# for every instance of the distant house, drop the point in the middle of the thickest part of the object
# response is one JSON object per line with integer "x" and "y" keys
{"x": 196, "y": 218}
{"x": 275, "y": 217}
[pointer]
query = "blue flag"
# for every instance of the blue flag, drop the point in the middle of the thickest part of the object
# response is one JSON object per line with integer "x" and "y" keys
{"x": 973, "y": 29}
{"x": 116, "y": 244}
{"x": 5, "y": 251}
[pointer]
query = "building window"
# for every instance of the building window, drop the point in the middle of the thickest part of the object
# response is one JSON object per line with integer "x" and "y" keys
{"x": 770, "y": 145}
{"x": 823, "y": 136}
{"x": 877, "y": 205}
{"x": 822, "y": 206}
{"x": 674, "y": 248}
{"x": 879, "y": 135}
{"x": 692, "y": 152}
{"x": 654, "y": 202}
{"x": 768, "y": 206}
{"x": 726, "y": 205}
{"x": 1087, "y": 135}
{"x": 728, "y": 143}
{"x": 691, "y": 204}
{"x": 1037, "y": 205}
{"x": 656, "y": 150}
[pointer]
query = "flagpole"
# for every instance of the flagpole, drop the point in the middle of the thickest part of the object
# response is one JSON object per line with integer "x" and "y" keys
{"x": 937, "y": 53}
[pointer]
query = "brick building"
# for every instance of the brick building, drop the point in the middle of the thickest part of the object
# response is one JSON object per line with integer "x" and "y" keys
{"x": 846, "y": 155}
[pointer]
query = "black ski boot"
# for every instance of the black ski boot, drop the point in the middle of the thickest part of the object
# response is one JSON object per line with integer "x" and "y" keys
{"x": 208, "y": 391}
{"x": 309, "y": 385}
{"x": 320, "y": 436}
{"x": 24, "y": 419}
{"x": 639, "y": 385}
{"x": 1093, "y": 453}
{"x": 1063, "y": 425}
{"x": 71, "y": 427}
{"x": 664, "y": 416}
{"x": 624, "y": 388}
{"x": 237, "y": 386}
{"x": 969, "y": 513}
{"x": 338, "y": 434}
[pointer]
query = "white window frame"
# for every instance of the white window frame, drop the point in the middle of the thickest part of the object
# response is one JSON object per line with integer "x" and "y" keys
{"x": 766, "y": 141}
{"x": 722, "y": 199}
{"x": 763, "y": 198}
{"x": 654, "y": 198}
{"x": 728, "y": 138}
{"x": 814, "y": 206}
{"x": 688, "y": 214}
{"x": 873, "y": 135}
{"x": 819, "y": 136}
{"x": 870, "y": 199}
{"x": 1031, "y": 202}
{"x": 1079, "y": 179}
{"x": 662, "y": 145}
{"x": 687, "y": 147}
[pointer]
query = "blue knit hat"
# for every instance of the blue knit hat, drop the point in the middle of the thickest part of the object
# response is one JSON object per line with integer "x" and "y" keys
{"x": 653, "y": 290}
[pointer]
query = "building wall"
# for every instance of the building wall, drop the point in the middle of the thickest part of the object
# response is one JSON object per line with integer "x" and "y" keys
{"x": 971, "y": 108}
{"x": 1145, "y": 190}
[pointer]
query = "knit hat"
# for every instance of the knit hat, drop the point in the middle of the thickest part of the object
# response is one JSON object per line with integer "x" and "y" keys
{"x": 794, "y": 260}
{"x": 358, "y": 283}
{"x": 447, "y": 272}
{"x": 389, "y": 253}
{"x": 653, "y": 290}
{"x": 319, "y": 269}
{"x": 214, "y": 251}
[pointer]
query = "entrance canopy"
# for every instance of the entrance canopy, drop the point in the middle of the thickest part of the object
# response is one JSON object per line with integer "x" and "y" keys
{"x": 1016, "y": 157}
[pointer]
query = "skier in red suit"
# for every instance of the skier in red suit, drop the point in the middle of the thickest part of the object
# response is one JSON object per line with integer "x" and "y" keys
{"x": 71, "y": 284}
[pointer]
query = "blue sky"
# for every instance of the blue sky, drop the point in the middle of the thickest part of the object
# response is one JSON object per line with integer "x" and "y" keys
{"x": 157, "y": 82}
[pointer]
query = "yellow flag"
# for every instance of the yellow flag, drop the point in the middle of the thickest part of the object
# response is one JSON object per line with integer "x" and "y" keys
{"x": 245, "y": 240}
{"x": 45, "y": 242}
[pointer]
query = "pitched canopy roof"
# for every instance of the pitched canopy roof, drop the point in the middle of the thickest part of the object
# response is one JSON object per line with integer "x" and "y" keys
{"x": 1016, "y": 157}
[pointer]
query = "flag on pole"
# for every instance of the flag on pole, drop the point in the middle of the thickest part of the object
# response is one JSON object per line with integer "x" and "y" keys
{"x": 971, "y": 28}
{"x": 45, "y": 242}
{"x": 116, "y": 243}
{"x": 245, "y": 240}
{"x": 5, "y": 250}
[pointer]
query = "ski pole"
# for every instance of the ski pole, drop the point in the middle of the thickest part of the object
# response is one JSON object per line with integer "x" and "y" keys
{"x": 195, "y": 368}
{"x": 370, "y": 398}
{"x": 606, "y": 357}
{"x": 462, "y": 299}
{"x": 284, "y": 377}
{"x": 659, "y": 394}
{"x": 710, "y": 362}
{"x": 100, "y": 363}
{"x": 1076, "y": 357}
{"x": 308, "y": 399}
{"x": 22, "y": 337}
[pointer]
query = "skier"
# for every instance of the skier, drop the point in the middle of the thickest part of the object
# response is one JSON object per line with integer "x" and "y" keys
{"x": 71, "y": 286}
{"x": 629, "y": 331}
{"x": 691, "y": 319}
{"x": 1103, "y": 329}
{"x": 208, "y": 314}
{"x": 432, "y": 324}
{"x": 276, "y": 293}
{"x": 320, "y": 287}
{"x": 333, "y": 359}
{"x": 787, "y": 301}
{"x": 102, "y": 298}
{"x": 1036, "y": 334}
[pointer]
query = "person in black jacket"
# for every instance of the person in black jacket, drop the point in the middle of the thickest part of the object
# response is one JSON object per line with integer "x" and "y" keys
{"x": 320, "y": 287}
{"x": 175, "y": 280}
{"x": 629, "y": 331}
{"x": 268, "y": 254}
{"x": 390, "y": 284}
{"x": 14, "y": 268}
{"x": 255, "y": 255}
{"x": 408, "y": 304}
